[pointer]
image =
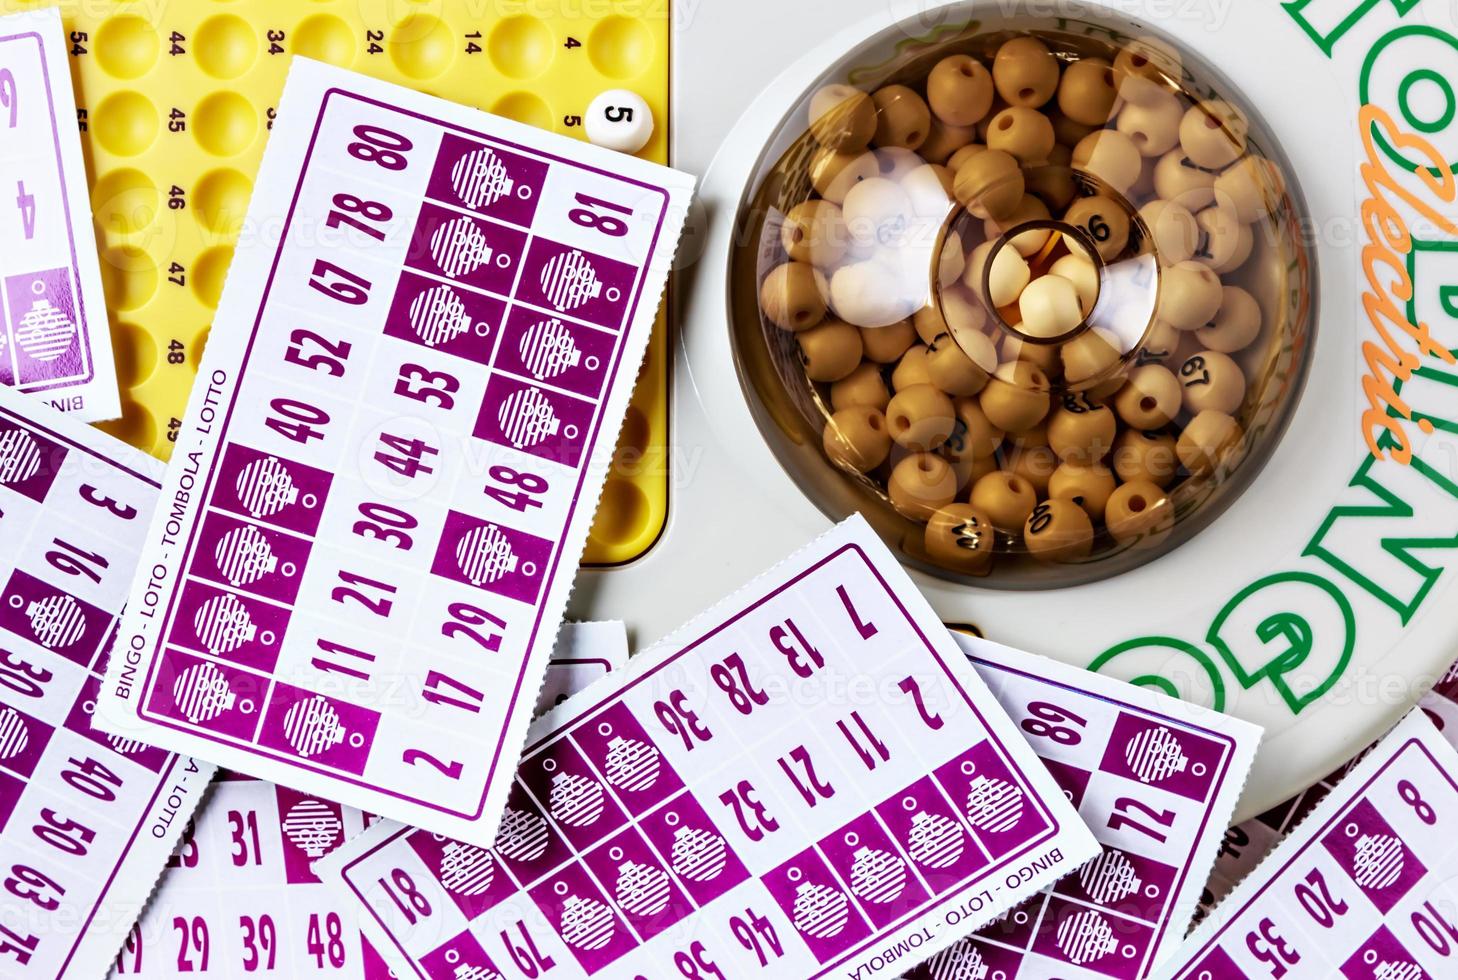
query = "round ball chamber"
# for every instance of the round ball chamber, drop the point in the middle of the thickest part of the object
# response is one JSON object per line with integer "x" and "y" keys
{"x": 1057, "y": 249}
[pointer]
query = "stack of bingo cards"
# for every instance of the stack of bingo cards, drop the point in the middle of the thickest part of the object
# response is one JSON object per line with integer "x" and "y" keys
{"x": 394, "y": 450}
{"x": 87, "y": 819}
{"x": 1366, "y": 886}
{"x": 1155, "y": 779}
{"x": 241, "y": 896}
{"x": 808, "y": 780}
{"x": 54, "y": 339}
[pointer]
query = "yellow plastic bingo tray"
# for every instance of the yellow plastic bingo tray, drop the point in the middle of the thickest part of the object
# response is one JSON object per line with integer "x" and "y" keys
{"x": 175, "y": 103}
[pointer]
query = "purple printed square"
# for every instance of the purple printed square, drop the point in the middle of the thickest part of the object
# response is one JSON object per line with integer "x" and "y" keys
{"x": 23, "y": 740}
{"x": 256, "y": 559}
{"x": 1093, "y": 939}
{"x": 470, "y": 875}
{"x": 46, "y": 327}
{"x": 236, "y": 627}
{"x": 309, "y": 828}
{"x": 1071, "y": 779}
{"x": 878, "y": 872}
{"x": 576, "y": 799}
{"x": 932, "y": 835}
{"x": 1120, "y": 881}
{"x": 1373, "y": 856}
{"x": 1150, "y": 753}
{"x": 583, "y": 918}
{"x": 997, "y": 806}
{"x": 535, "y": 420}
{"x": 1383, "y": 957}
{"x": 487, "y": 179}
{"x": 684, "y": 836}
{"x": 553, "y": 351}
{"x": 642, "y": 890}
{"x": 444, "y": 317}
{"x": 498, "y": 559}
{"x": 458, "y": 958}
{"x": 526, "y": 842}
{"x": 968, "y": 959}
{"x": 1017, "y": 926}
{"x": 218, "y": 697}
{"x": 276, "y": 491}
{"x": 624, "y": 753}
{"x": 816, "y": 904}
{"x": 481, "y": 254}
{"x": 78, "y": 720}
{"x": 318, "y": 728}
{"x": 29, "y": 461}
{"x": 11, "y": 789}
{"x": 574, "y": 283}
{"x": 53, "y": 619}
{"x": 1217, "y": 963}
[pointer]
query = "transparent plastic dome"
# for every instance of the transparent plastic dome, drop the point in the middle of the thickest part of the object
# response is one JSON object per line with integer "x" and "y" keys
{"x": 1034, "y": 297}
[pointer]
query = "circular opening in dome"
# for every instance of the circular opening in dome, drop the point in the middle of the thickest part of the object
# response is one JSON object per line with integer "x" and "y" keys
{"x": 946, "y": 315}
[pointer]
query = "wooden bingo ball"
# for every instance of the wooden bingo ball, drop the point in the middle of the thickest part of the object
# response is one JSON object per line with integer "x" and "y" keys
{"x": 1080, "y": 431}
{"x": 1058, "y": 530}
{"x": 1036, "y": 465}
{"x": 1236, "y": 326}
{"x": 792, "y": 296}
{"x": 830, "y": 350}
{"x": 1110, "y": 156}
{"x": 814, "y": 231}
{"x": 959, "y": 90}
{"x": 885, "y": 345}
{"x": 1251, "y": 188}
{"x": 1024, "y": 133}
{"x": 1213, "y": 134}
{"x": 1106, "y": 223}
{"x": 1177, "y": 178}
{"x": 1025, "y": 72}
{"x": 1086, "y": 93}
{"x": 990, "y": 184}
{"x": 1190, "y": 295}
{"x": 911, "y": 370}
{"x": 1016, "y": 397}
{"x": 842, "y": 118}
{"x": 1212, "y": 381}
{"x": 863, "y": 386}
{"x": 833, "y": 173}
{"x": 902, "y": 117}
{"x": 974, "y": 435}
{"x": 961, "y": 538}
{"x": 1210, "y": 443}
{"x": 1089, "y": 486}
{"x": 856, "y": 439}
{"x": 1004, "y": 283}
{"x": 1006, "y": 498}
{"x": 1149, "y": 457}
{"x": 1173, "y": 229}
{"x": 955, "y": 373}
{"x": 1138, "y": 512}
{"x": 921, "y": 484}
{"x": 1152, "y": 123}
{"x": 1150, "y": 398}
{"x": 920, "y": 417}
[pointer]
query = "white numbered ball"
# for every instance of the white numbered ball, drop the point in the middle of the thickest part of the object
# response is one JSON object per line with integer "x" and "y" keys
{"x": 619, "y": 120}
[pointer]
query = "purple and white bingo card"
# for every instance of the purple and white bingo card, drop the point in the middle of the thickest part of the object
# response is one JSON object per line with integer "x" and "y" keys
{"x": 808, "y": 780}
{"x": 1365, "y": 888}
{"x": 240, "y": 895}
{"x": 1156, "y": 779}
{"x": 394, "y": 451}
{"x": 1246, "y": 844}
{"x": 54, "y": 340}
{"x": 87, "y": 820}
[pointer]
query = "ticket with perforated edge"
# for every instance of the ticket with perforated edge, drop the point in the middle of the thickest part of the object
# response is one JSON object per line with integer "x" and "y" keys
{"x": 1155, "y": 779}
{"x": 240, "y": 895}
{"x": 87, "y": 820}
{"x": 55, "y": 343}
{"x": 394, "y": 450}
{"x": 1365, "y": 888}
{"x": 809, "y": 779}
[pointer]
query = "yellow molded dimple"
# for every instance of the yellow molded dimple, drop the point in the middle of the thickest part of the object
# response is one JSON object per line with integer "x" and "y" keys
{"x": 124, "y": 202}
{"x": 126, "y": 123}
{"x": 136, "y": 354}
{"x": 421, "y": 46}
{"x": 127, "y": 46}
{"x": 177, "y": 100}
{"x": 325, "y": 37}
{"x": 621, "y": 47}
{"x": 209, "y": 274}
{"x": 226, "y": 46}
{"x": 521, "y": 46}
{"x": 129, "y": 277}
{"x": 524, "y": 107}
{"x": 225, "y": 123}
{"x": 221, "y": 200}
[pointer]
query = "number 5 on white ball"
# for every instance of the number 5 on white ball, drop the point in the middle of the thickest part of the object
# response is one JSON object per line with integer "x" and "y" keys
{"x": 619, "y": 120}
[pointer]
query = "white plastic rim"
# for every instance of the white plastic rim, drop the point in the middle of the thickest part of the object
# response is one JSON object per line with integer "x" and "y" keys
{"x": 1320, "y": 605}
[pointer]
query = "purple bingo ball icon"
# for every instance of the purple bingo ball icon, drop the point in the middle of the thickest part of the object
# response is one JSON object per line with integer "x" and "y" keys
{"x": 20, "y": 457}
{"x": 480, "y": 178}
{"x": 459, "y": 247}
{"x": 466, "y": 869}
{"x": 56, "y": 620}
{"x": 313, "y": 827}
